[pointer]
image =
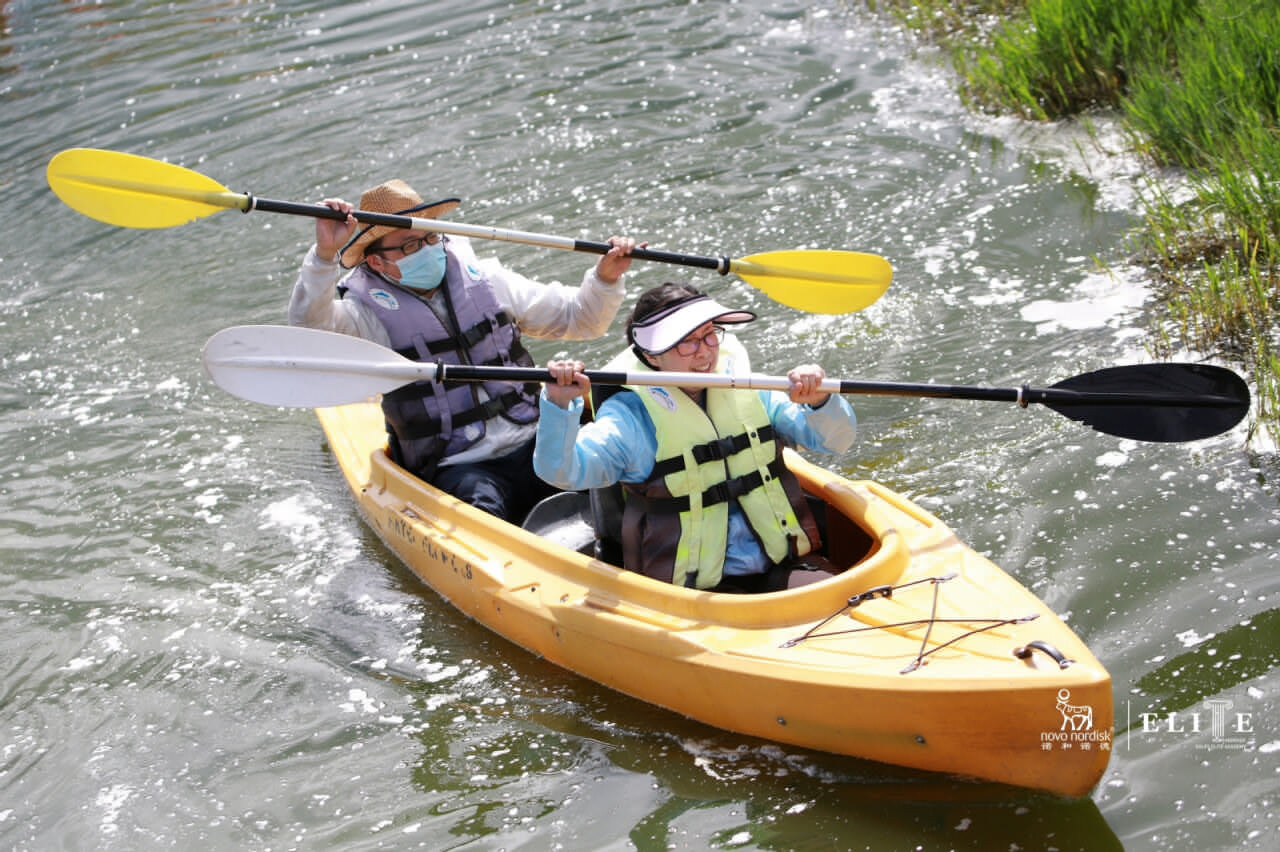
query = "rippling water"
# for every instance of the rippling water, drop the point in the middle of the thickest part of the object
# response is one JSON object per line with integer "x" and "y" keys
{"x": 202, "y": 644}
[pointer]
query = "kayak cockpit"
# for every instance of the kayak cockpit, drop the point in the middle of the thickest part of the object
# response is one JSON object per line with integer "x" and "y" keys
{"x": 590, "y": 523}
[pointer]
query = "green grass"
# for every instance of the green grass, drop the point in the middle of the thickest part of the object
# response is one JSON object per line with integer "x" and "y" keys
{"x": 1063, "y": 57}
{"x": 1197, "y": 83}
{"x": 1223, "y": 91}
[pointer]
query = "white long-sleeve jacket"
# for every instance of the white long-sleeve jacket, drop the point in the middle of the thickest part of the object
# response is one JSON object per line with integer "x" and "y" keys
{"x": 551, "y": 311}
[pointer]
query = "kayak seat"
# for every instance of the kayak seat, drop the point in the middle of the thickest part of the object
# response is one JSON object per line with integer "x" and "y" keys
{"x": 818, "y": 507}
{"x": 606, "y": 517}
{"x": 564, "y": 518}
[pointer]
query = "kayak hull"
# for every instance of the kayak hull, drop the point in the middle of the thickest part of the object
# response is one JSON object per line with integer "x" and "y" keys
{"x": 949, "y": 664}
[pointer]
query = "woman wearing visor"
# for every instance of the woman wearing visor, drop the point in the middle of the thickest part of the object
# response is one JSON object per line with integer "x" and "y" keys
{"x": 709, "y": 503}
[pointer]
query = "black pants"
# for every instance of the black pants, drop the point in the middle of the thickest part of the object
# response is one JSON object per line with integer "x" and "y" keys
{"x": 506, "y": 486}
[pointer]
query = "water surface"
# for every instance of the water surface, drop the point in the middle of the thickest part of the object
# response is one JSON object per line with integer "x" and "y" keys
{"x": 204, "y": 646}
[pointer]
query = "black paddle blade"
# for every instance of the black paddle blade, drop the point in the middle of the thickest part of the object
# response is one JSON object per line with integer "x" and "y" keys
{"x": 1152, "y": 402}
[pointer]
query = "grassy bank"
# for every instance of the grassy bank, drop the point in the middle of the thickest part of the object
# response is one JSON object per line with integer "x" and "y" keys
{"x": 1197, "y": 83}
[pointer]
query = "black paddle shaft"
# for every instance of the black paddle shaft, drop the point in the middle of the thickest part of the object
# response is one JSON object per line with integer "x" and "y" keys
{"x": 1143, "y": 402}
{"x": 391, "y": 220}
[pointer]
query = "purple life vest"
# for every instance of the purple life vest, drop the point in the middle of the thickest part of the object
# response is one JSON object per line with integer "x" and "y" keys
{"x": 429, "y": 420}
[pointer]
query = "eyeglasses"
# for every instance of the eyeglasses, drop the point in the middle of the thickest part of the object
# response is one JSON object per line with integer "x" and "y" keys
{"x": 409, "y": 246}
{"x": 690, "y": 345}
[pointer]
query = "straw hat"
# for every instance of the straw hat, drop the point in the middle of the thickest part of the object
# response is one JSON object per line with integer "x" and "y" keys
{"x": 395, "y": 197}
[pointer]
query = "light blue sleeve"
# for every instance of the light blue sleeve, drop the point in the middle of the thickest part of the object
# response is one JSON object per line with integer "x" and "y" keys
{"x": 619, "y": 445}
{"x": 833, "y": 428}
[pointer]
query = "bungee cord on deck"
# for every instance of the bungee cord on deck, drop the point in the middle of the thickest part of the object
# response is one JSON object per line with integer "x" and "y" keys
{"x": 977, "y": 625}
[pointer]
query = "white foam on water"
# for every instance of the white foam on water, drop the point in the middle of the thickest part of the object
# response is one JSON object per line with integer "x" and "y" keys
{"x": 1103, "y": 300}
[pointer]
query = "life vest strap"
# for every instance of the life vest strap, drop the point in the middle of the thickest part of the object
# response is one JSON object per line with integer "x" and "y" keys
{"x": 483, "y": 411}
{"x": 721, "y": 492}
{"x": 459, "y": 342}
{"x": 719, "y": 449}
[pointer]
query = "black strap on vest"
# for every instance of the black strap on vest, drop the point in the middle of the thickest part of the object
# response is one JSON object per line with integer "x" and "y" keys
{"x": 722, "y": 492}
{"x": 483, "y": 411}
{"x": 721, "y": 448}
{"x": 460, "y": 342}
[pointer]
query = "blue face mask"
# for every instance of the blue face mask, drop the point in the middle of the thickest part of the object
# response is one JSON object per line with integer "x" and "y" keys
{"x": 424, "y": 269}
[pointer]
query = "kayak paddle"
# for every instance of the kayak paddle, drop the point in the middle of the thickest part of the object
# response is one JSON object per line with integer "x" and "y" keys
{"x": 138, "y": 192}
{"x": 306, "y": 368}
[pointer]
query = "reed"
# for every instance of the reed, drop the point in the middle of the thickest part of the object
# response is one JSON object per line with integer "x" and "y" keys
{"x": 1223, "y": 91}
{"x": 1063, "y": 57}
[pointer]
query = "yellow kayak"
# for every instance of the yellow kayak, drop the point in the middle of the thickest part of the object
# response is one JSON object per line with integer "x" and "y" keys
{"x": 922, "y": 653}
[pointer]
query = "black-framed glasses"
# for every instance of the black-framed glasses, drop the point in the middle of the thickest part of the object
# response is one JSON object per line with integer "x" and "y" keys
{"x": 409, "y": 246}
{"x": 690, "y": 345}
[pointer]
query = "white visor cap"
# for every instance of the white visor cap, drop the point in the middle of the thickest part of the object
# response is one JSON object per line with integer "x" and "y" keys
{"x": 661, "y": 331}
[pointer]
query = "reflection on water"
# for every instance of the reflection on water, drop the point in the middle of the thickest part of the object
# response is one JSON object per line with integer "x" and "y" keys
{"x": 508, "y": 722}
{"x": 1215, "y": 665}
{"x": 204, "y": 645}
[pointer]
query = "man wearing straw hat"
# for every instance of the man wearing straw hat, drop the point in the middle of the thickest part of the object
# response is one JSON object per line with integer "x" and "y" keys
{"x": 430, "y": 298}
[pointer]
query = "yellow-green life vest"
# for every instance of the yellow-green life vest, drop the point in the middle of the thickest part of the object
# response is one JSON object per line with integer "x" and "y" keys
{"x": 676, "y": 523}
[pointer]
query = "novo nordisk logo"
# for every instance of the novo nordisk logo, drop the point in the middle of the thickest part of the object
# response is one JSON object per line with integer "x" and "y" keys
{"x": 1076, "y": 730}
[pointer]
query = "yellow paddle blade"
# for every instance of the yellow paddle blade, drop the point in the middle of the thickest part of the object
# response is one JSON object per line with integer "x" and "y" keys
{"x": 136, "y": 192}
{"x": 817, "y": 281}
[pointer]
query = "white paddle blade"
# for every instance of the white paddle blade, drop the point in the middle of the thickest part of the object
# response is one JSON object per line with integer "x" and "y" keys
{"x": 305, "y": 368}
